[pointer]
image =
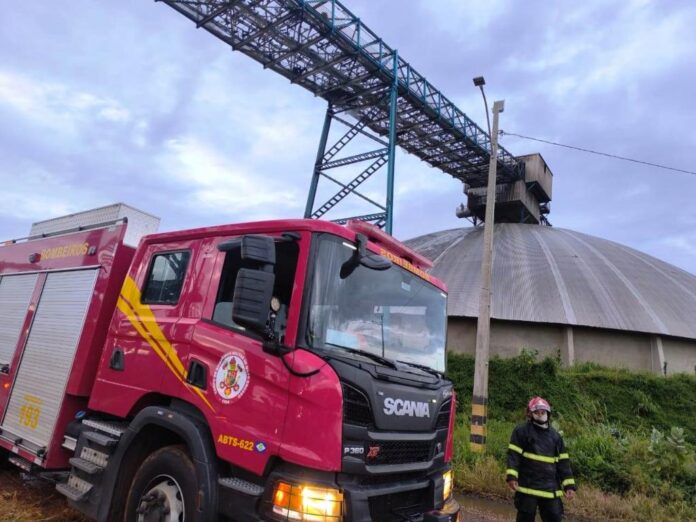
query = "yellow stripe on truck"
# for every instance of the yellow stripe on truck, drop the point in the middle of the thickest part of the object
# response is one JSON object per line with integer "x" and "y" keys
{"x": 145, "y": 323}
{"x": 131, "y": 293}
{"x": 137, "y": 323}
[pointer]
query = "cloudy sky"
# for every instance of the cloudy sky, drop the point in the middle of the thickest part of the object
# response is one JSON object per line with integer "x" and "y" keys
{"x": 104, "y": 101}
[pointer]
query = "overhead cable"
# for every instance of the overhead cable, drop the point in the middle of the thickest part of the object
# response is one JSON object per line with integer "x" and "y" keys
{"x": 505, "y": 133}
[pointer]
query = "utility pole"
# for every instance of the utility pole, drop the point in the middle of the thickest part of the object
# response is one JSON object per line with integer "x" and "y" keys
{"x": 479, "y": 402}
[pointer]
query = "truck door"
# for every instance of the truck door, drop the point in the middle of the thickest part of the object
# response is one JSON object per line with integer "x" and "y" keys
{"x": 15, "y": 296}
{"x": 144, "y": 330}
{"x": 247, "y": 388}
{"x": 39, "y": 384}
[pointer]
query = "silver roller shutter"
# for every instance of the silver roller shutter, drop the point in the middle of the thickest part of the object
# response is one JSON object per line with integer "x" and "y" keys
{"x": 38, "y": 390}
{"x": 15, "y": 294}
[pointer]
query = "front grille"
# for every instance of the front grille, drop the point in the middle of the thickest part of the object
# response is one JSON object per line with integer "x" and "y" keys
{"x": 398, "y": 507}
{"x": 356, "y": 407}
{"x": 389, "y": 478}
{"x": 399, "y": 452}
{"x": 443, "y": 417}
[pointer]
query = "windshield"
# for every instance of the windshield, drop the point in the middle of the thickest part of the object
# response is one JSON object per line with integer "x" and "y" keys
{"x": 391, "y": 313}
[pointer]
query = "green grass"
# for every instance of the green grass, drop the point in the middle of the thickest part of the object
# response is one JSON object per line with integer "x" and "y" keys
{"x": 618, "y": 427}
{"x": 584, "y": 394}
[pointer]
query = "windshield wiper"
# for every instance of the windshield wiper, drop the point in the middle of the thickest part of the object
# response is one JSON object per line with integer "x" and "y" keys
{"x": 364, "y": 353}
{"x": 423, "y": 367}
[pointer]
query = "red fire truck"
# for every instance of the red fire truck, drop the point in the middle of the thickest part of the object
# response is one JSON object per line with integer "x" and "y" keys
{"x": 278, "y": 371}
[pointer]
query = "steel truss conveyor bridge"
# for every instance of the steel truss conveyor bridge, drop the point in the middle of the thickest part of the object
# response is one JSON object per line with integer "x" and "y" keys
{"x": 322, "y": 46}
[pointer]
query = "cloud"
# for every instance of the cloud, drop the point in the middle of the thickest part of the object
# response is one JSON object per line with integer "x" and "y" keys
{"x": 418, "y": 179}
{"x": 592, "y": 49}
{"x": 686, "y": 243}
{"x": 54, "y": 105}
{"x": 450, "y": 15}
{"x": 40, "y": 194}
{"x": 634, "y": 191}
{"x": 680, "y": 246}
{"x": 214, "y": 185}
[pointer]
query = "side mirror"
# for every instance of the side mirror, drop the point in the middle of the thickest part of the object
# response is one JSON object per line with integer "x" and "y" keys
{"x": 375, "y": 262}
{"x": 258, "y": 248}
{"x": 253, "y": 291}
{"x": 363, "y": 257}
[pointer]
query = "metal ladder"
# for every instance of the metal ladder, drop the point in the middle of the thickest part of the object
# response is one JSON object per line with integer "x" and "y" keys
{"x": 97, "y": 444}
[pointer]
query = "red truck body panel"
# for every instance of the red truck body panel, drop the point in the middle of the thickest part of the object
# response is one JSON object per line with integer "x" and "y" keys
{"x": 101, "y": 249}
{"x": 312, "y": 435}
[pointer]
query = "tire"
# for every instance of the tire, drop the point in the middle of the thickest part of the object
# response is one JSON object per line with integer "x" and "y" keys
{"x": 164, "y": 489}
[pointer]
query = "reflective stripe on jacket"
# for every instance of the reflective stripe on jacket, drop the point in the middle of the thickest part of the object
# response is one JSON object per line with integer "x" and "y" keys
{"x": 538, "y": 461}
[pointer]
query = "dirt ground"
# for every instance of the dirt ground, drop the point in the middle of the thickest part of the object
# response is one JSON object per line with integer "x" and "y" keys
{"x": 33, "y": 500}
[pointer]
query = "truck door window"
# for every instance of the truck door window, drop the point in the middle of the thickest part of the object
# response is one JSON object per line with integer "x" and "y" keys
{"x": 285, "y": 267}
{"x": 165, "y": 278}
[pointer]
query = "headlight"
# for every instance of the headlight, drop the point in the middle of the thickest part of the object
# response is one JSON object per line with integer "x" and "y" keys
{"x": 448, "y": 478}
{"x": 304, "y": 503}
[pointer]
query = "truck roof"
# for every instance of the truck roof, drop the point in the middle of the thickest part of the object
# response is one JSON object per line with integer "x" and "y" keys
{"x": 310, "y": 225}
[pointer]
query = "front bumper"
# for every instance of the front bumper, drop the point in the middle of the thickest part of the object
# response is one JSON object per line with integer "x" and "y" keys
{"x": 406, "y": 500}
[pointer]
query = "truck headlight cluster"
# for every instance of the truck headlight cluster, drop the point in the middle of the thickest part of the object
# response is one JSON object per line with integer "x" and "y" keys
{"x": 303, "y": 503}
{"x": 448, "y": 478}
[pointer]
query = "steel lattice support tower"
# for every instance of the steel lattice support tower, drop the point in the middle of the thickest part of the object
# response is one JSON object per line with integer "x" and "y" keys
{"x": 322, "y": 46}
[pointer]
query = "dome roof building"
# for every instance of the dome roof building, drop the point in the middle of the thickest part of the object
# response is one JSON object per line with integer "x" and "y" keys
{"x": 567, "y": 294}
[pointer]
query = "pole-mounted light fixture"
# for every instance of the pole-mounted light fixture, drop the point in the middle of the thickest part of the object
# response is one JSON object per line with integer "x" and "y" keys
{"x": 479, "y": 82}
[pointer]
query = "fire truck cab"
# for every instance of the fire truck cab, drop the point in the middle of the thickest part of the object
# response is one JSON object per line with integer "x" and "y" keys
{"x": 280, "y": 371}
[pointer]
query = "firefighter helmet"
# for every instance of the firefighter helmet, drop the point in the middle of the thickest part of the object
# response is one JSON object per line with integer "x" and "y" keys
{"x": 537, "y": 403}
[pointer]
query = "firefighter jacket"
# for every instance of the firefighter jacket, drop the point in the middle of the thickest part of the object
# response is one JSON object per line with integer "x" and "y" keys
{"x": 538, "y": 461}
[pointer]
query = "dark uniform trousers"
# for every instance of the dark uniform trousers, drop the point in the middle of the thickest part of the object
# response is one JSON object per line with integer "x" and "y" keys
{"x": 550, "y": 509}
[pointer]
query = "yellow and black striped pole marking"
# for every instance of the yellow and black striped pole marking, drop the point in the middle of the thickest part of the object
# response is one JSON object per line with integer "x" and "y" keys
{"x": 479, "y": 415}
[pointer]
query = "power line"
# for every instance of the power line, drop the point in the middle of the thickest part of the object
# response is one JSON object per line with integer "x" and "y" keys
{"x": 502, "y": 132}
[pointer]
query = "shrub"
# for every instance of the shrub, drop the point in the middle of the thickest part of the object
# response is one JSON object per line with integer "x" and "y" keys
{"x": 598, "y": 458}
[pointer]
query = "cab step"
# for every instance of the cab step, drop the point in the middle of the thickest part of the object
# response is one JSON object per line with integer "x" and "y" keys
{"x": 242, "y": 486}
{"x": 101, "y": 439}
{"x": 85, "y": 465}
{"x": 97, "y": 441}
{"x": 75, "y": 488}
{"x": 115, "y": 429}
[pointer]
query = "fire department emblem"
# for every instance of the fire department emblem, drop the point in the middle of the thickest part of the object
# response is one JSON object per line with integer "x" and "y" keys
{"x": 231, "y": 377}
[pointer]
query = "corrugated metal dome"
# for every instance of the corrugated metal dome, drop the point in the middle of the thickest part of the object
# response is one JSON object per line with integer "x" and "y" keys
{"x": 553, "y": 275}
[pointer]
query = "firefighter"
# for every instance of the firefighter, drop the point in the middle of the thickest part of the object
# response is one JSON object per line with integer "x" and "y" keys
{"x": 538, "y": 466}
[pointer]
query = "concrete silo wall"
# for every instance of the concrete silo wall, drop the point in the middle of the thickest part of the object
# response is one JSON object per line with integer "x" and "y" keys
{"x": 574, "y": 344}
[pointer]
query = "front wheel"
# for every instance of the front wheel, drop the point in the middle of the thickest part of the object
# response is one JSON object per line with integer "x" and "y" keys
{"x": 164, "y": 489}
